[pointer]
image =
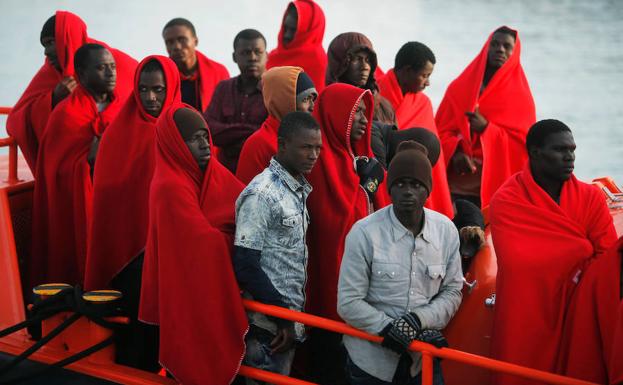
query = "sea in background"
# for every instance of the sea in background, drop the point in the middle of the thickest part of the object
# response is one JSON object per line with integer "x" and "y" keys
{"x": 572, "y": 51}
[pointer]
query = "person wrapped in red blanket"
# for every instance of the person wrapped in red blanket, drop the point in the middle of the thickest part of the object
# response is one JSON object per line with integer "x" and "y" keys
{"x": 63, "y": 192}
{"x": 189, "y": 287}
{"x": 285, "y": 90}
{"x": 548, "y": 229}
{"x": 403, "y": 87}
{"x": 348, "y": 184}
{"x": 125, "y": 165}
{"x": 300, "y": 41}
{"x": 61, "y": 36}
{"x": 483, "y": 120}
{"x": 199, "y": 74}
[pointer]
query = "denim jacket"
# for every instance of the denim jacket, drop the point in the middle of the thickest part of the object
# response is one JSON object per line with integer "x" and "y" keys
{"x": 271, "y": 216}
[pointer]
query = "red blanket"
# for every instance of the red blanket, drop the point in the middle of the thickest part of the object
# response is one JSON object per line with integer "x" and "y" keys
{"x": 188, "y": 286}
{"x": 542, "y": 249}
{"x": 210, "y": 74}
{"x": 30, "y": 114}
{"x": 63, "y": 192}
{"x": 337, "y": 200}
{"x": 125, "y": 165}
{"x": 416, "y": 110}
{"x": 506, "y": 103}
{"x": 615, "y": 368}
{"x": 305, "y": 50}
{"x": 590, "y": 324}
{"x": 257, "y": 150}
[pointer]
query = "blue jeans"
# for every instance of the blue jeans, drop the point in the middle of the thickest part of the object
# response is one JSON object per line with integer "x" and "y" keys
{"x": 357, "y": 376}
{"x": 258, "y": 354}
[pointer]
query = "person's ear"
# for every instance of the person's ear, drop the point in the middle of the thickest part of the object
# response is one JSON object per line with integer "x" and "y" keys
{"x": 233, "y": 57}
{"x": 196, "y": 41}
{"x": 533, "y": 152}
{"x": 281, "y": 143}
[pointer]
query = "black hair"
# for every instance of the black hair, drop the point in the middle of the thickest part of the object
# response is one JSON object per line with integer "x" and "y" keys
{"x": 152, "y": 66}
{"x": 541, "y": 130}
{"x": 83, "y": 54}
{"x": 49, "y": 28}
{"x": 507, "y": 31}
{"x": 180, "y": 21}
{"x": 414, "y": 54}
{"x": 295, "y": 121}
{"x": 248, "y": 34}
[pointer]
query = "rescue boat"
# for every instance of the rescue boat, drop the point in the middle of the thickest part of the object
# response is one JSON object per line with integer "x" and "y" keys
{"x": 78, "y": 343}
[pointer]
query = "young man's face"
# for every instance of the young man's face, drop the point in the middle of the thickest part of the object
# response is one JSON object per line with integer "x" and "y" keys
{"x": 360, "y": 122}
{"x": 199, "y": 146}
{"x": 301, "y": 151}
{"x": 500, "y": 49}
{"x": 180, "y": 44}
{"x": 100, "y": 74}
{"x": 49, "y": 50}
{"x": 290, "y": 23}
{"x": 152, "y": 91}
{"x": 408, "y": 194}
{"x": 418, "y": 80}
{"x": 358, "y": 70}
{"x": 250, "y": 55}
{"x": 307, "y": 103}
{"x": 556, "y": 159}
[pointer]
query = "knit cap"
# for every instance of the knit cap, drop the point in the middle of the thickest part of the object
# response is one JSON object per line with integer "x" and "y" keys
{"x": 411, "y": 161}
{"x": 304, "y": 87}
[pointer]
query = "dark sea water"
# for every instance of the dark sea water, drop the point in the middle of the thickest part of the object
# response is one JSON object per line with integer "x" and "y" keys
{"x": 572, "y": 50}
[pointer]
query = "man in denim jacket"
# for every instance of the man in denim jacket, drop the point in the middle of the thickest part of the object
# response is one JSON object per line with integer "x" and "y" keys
{"x": 400, "y": 277}
{"x": 270, "y": 258}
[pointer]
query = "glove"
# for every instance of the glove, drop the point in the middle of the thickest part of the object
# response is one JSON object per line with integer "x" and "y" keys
{"x": 370, "y": 173}
{"x": 433, "y": 337}
{"x": 399, "y": 334}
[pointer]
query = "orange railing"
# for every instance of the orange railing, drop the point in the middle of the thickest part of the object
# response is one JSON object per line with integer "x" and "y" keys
{"x": 428, "y": 351}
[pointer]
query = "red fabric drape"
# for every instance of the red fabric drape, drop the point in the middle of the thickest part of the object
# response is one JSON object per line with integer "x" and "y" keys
{"x": 210, "y": 74}
{"x": 416, "y": 110}
{"x": 542, "y": 248}
{"x": 588, "y": 335}
{"x": 125, "y": 165}
{"x": 305, "y": 50}
{"x": 337, "y": 200}
{"x": 188, "y": 286}
{"x": 257, "y": 150}
{"x": 615, "y": 367}
{"x": 63, "y": 192}
{"x": 507, "y": 105}
{"x": 29, "y": 116}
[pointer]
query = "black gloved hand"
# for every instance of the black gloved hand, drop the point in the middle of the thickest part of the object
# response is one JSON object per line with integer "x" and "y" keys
{"x": 433, "y": 337}
{"x": 399, "y": 334}
{"x": 371, "y": 174}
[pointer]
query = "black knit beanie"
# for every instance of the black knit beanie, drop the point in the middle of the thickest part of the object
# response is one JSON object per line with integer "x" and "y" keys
{"x": 410, "y": 161}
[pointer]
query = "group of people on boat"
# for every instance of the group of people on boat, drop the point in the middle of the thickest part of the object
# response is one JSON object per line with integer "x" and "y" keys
{"x": 316, "y": 182}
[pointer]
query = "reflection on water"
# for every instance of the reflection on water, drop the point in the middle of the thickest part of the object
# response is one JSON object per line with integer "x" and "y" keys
{"x": 572, "y": 50}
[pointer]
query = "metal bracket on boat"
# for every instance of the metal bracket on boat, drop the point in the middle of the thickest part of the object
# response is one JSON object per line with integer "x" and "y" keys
{"x": 470, "y": 285}
{"x": 614, "y": 197}
{"x": 490, "y": 300}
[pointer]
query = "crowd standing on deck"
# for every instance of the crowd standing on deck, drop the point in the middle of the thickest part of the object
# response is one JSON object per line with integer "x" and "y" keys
{"x": 317, "y": 182}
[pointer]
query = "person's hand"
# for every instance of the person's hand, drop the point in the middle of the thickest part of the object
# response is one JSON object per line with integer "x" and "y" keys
{"x": 399, "y": 333}
{"x": 65, "y": 87}
{"x": 433, "y": 337}
{"x": 477, "y": 122}
{"x": 284, "y": 340}
{"x": 463, "y": 163}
